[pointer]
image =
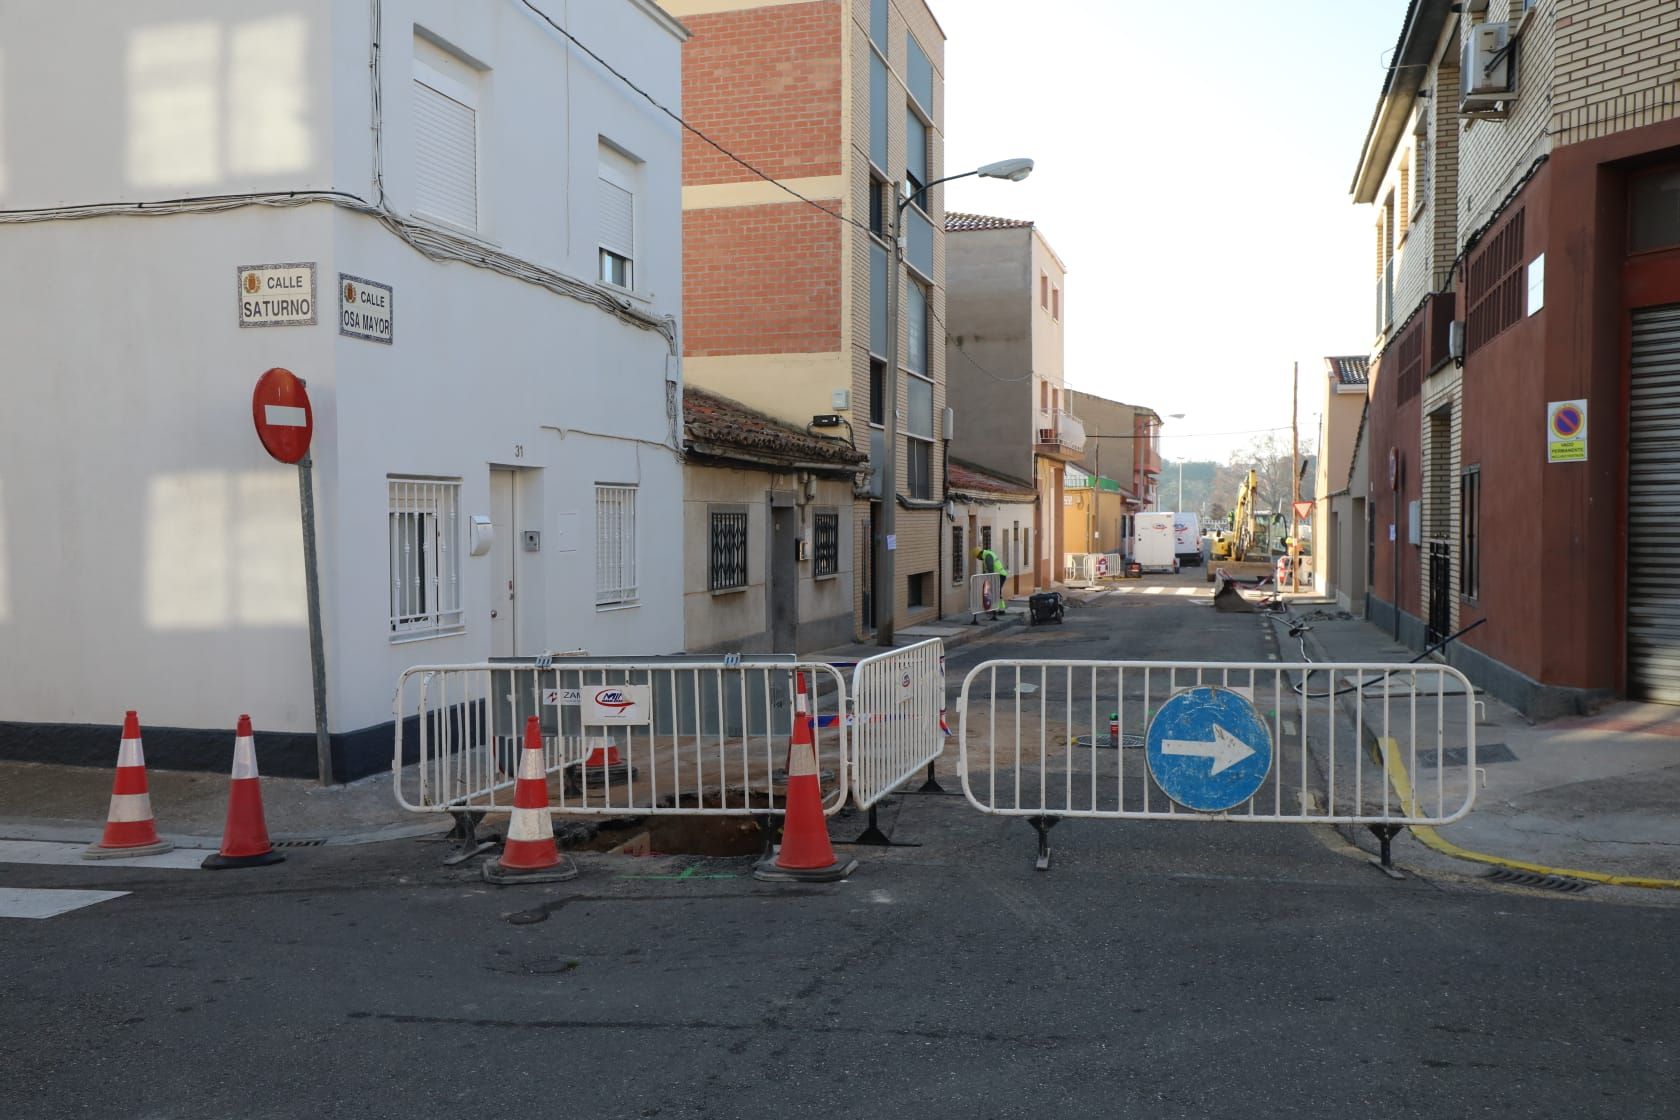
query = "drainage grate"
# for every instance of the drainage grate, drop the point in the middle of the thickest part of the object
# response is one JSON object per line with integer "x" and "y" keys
{"x": 1486, "y": 754}
{"x": 1539, "y": 882}
{"x": 299, "y": 843}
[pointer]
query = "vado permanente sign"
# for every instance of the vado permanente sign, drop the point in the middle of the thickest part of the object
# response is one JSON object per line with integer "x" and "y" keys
{"x": 277, "y": 295}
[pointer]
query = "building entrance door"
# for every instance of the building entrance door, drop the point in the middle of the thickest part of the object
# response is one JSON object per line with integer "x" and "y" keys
{"x": 504, "y": 634}
{"x": 784, "y": 578}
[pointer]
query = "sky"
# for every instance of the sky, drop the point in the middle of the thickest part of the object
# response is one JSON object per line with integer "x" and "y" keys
{"x": 1192, "y": 171}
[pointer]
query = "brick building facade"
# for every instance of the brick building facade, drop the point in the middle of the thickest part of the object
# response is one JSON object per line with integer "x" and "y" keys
{"x": 841, "y": 101}
{"x": 1528, "y": 255}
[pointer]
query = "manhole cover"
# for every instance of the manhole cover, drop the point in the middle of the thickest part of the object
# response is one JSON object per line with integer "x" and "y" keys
{"x": 1128, "y": 741}
{"x": 1537, "y": 881}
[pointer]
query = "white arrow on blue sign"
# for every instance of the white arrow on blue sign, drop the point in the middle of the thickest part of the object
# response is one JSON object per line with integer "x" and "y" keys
{"x": 1208, "y": 749}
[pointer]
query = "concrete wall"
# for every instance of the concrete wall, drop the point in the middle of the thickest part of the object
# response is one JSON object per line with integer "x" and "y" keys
{"x": 159, "y": 566}
{"x": 1115, "y": 457}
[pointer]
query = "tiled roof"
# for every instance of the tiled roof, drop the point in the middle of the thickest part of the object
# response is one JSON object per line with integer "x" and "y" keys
{"x": 968, "y": 479}
{"x": 956, "y": 222}
{"x": 722, "y": 423}
{"x": 1349, "y": 370}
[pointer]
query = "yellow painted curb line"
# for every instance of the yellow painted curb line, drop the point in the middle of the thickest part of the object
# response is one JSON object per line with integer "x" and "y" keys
{"x": 1431, "y": 838}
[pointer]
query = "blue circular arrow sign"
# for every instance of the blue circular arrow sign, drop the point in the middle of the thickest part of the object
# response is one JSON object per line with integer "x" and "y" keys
{"x": 1208, "y": 749}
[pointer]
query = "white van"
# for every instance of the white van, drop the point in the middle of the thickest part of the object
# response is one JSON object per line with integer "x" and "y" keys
{"x": 1153, "y": 548}
{"x": 1187, "y": 538}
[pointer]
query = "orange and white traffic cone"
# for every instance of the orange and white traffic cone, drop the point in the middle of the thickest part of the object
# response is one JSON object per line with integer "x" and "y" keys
{"x": 129, "y": 828}
{"x": 805, "y": 854}
{"x": 245, "y": 836}
{"x": 529, "y": 855}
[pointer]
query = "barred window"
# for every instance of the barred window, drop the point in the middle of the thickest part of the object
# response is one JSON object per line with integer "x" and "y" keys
{"x": 615, "y": 545}
{"x": 959, "y": 559}
{"x": 825, "y": 555}
{"x": 423, "y": 525}
{"x": 727, "y": 566}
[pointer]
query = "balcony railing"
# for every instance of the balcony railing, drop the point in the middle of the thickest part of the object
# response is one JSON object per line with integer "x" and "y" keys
{"x": 1065, "y": 438}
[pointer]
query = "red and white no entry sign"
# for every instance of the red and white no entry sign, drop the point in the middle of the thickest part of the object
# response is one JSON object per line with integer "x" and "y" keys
{"x": 280, "y": 408}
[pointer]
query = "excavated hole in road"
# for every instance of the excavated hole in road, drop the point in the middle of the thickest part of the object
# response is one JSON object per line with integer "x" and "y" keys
{"x": 662, "y": 835}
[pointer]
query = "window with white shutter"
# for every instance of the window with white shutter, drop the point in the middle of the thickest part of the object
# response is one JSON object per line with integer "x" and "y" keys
{"x": 616, "y": 218}
{"x": 445, "y": 137}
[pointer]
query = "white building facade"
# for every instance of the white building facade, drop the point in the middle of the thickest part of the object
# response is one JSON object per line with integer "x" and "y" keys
{"x": 496, "y": 457}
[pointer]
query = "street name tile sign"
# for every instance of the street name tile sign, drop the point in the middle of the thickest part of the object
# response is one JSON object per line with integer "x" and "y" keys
{"x": 1208, "y": 749}
{"x": 277, "y": 295}
{"x": 365, "y": 309}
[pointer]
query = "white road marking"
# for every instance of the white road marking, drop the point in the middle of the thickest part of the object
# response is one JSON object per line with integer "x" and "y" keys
{"x": 31, "y": 902}
{"x": 70, "y": 855}
{"x": 1289, "y": 727}
{"x": 1187, "y": 591}
{"x": 1156, "y": 590}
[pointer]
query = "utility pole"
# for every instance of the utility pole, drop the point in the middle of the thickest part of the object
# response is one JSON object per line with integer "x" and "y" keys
{"x": 1295, "y": 483}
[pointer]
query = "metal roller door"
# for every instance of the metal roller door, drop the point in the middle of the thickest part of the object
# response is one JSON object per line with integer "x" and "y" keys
{"x": 1653, "y": 603}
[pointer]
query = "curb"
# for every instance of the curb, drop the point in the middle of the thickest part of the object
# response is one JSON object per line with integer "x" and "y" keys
{"x": 1432, "y": 839}
{"x": 77, "y": 834}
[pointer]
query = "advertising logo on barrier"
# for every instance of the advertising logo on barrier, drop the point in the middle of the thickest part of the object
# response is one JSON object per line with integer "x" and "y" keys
{"x": 617, "y": 704}
{"x": 562, "y": 697}
{"x": 906, "y": 686}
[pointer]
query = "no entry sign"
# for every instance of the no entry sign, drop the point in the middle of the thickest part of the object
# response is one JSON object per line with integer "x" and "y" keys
{"x": 280, "y": 408}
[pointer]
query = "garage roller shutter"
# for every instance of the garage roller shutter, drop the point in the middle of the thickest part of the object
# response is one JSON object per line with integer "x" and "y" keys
{"x": 1653, "y": 605}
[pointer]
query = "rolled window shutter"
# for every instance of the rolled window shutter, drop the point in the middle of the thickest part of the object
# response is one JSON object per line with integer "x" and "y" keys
{"x": 618, "y": 219}
{"x": 445, "y": 158}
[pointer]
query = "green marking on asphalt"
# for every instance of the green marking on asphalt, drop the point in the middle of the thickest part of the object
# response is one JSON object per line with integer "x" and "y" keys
{"x": 688, "y": 874}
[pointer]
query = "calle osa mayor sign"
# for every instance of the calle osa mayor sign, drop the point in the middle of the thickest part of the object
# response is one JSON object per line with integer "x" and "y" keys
{"x": 277, "y": 295}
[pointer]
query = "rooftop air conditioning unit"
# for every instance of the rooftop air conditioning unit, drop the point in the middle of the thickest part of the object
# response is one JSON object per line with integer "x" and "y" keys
{"x": 1489, "y": 71}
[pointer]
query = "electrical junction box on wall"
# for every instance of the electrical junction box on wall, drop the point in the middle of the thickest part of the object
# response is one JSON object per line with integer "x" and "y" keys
{"x": 841, "y": 400}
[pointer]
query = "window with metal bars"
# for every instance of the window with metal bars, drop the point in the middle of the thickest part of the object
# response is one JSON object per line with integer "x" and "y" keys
{"x": 825, "y": 552}
{"x": 423, "y": 525}
{"x": 726, "y": 567}
{"x": 615, "y": 545}
{"x": 959, "y": 559}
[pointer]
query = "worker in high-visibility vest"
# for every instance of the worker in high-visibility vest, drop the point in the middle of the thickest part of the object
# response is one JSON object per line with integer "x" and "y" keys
{"x": 991, "y": 565}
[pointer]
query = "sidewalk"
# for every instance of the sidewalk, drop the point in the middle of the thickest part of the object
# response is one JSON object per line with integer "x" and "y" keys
{"x": 1583, "y": 797}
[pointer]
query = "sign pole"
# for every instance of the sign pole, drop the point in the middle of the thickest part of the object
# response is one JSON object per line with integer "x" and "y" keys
{"x": 312, "y": 592}
{"x": 1295, "y": 484}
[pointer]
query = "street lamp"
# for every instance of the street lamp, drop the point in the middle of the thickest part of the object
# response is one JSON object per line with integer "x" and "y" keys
{"x": 1180, "y": 506}
{"x": 886, "y": 529}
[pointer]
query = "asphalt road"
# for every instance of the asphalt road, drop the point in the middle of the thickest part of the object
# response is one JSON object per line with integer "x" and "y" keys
{"x": 1159, "y": 970}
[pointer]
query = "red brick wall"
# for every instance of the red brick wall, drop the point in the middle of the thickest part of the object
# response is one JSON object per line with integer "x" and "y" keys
{"x": 764, "y": 83}
{"x": 761, "y": 280}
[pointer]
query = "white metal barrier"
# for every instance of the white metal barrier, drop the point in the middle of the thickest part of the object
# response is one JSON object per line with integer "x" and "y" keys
{"x": 690, "y": 736}
{"x": 897, "y": 699}
{"x": 1386, "y": 746}
{"x": 985, "y": 595}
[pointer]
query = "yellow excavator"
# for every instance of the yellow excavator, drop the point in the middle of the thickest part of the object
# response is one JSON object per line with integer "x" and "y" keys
{"x": 1232, "y": 545}
{"x": 1236, "y": 550}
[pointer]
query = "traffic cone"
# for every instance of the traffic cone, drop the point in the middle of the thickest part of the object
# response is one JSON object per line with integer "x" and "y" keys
{"x": 529, "y": 855}
{"x": 129, "y": 828}
{"x": 805, "y": 854}
{"x": 245, "y": 836}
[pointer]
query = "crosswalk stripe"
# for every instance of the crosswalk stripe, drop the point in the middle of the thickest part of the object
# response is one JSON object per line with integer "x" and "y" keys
{"x": 70, "y": 855}
{"x": 47, "y": 902}
{"x": 1156, "y": 590}
{"x": 1187, "y": 591}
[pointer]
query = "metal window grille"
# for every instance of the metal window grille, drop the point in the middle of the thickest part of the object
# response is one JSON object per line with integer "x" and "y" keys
{"x": 986, "y": 537}
{"x": 826, "y": 554}
{"x": 959, "y": 559}
{"x": 727, "y": 570}
{"x": 424, "y": 527}
{"x": 615, "y": 545}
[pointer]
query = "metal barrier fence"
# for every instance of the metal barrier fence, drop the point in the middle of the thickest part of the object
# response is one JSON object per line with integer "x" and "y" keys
{"x": 897, "y": 698}
{"x": 985, "y": 595}
{"x": 691, "y": 736}
{"x": 1255, "y": 742}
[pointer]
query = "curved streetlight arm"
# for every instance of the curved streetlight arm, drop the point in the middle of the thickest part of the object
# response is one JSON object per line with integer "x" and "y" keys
{"x": 1012, "y": 169}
